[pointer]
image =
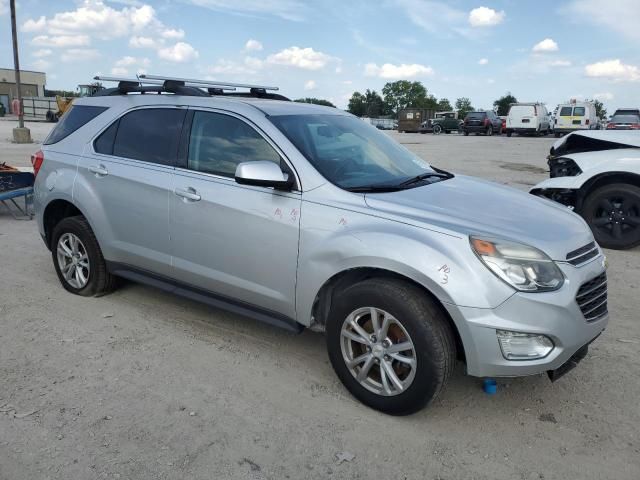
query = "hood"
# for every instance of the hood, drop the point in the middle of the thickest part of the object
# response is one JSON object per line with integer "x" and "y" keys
{"x": 594, "y": 140}
{"x": 470, "y": 206}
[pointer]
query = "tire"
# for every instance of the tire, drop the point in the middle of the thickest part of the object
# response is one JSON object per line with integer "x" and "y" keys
{"x": 509, "y": 133}
{"x": 421, "y": 323}
{"x": 98, "y": 281}
{"x": 557, "y": 135}
{"x": 489, "y": 131}
{"x": 613, "y": 213}
{"x": 437, "y": 129}
{"x": 466, "y": 133}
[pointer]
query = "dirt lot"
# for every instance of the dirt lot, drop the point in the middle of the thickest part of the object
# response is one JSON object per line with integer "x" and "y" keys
{"x": 143, "y": 385}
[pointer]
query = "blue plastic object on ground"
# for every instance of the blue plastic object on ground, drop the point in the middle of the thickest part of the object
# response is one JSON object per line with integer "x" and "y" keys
{"x": 490, "y": 386}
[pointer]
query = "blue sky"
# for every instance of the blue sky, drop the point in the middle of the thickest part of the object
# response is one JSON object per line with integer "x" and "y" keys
{"x": 539, "y": 50}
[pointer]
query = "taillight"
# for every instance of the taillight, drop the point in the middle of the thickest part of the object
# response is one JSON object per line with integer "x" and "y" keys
{"x": 36, "y": 161}
{"x": 486, "y": 121}
{"x": 611, "y": 125}
{"x": 635, "y": 126}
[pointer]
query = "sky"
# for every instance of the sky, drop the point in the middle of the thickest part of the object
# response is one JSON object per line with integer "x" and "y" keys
{"x": 545, "y": 50}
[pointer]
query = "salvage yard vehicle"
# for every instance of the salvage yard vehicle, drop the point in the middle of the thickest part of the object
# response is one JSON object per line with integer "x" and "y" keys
{"x": 574, "y": 116}
{"x": 486, "y": 122}
{"x": 528, "y": 118}
{"x": 624, "y": 122}
{"x": 304, "y": 216}
{"x": 597, "y": 174}
{"x": 413, "y": 120}
{"x": 446, "y": 122}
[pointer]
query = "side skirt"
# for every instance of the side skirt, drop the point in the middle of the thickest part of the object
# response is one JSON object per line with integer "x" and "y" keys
{"x": 204, "y": 296}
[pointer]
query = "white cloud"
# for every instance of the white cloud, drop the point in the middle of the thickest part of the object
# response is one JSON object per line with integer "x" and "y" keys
{"x": 41, "y": 64}
{"x": 121, "y": 67}
{"x": 4, "y": 7}
{"x": 173, "y": 34}
{"x": 142, "y": 42}
{"x": 606, "y": 96}
{"x": 249, "y": 66}
{"x": 485, "y": 17}
{"x": 180, "y": 52}
{"x": 61, "y": 41}
{"x": 253, "y": 63}
{"x": 287, "y": 9}
{"x": 621, "y": 16}
{"x": 119, "y": 71}
{"x": 310, "y": 85}
{"x": 305, "y": 58}
{"x": 35, "y": 25}
{"x": 483, "y": 61}
{"x": 391, "y": 71}
{"x": 613, "y": 70}
{"x": 545, "y": 46}
{"x": 560, "y": 63}
{"x": 43, "y": 52}
{"x": 253, "y": 45}
{"x": 79, "y": 55}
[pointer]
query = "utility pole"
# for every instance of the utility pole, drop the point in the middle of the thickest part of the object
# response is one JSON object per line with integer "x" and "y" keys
{"x": 20, "y": 134}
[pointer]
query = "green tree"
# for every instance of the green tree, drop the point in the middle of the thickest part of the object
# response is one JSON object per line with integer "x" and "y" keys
{"x": 463, "y": 106}
{"x": 315, "y": 101}
{"x": 444, "y": 105}
{"x": 374, "y": 105}
{"x": 357, "y": 105}
{"x": 504, "y": 102}
{"x": 405, "y": 94}
{"x": 601, "y": 112}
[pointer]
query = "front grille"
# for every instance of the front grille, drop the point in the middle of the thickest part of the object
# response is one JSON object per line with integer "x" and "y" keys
{"x": 592, "y": 298}
{"x": 563, "y": 167}
{"x": 583, "y": 254}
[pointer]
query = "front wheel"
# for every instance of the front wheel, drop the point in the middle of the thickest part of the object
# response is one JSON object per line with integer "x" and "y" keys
{"x": 437, "y": 129}
{"x": 390, "y": 345}
{"x": 613, "y": 213}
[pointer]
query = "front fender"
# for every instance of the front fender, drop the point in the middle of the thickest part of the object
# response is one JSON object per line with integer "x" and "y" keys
{"x": 334, "y": 241}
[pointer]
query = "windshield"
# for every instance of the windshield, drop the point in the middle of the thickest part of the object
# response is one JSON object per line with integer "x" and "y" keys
{"x": 625, "y": 119}
{"x": 350, "y": 153}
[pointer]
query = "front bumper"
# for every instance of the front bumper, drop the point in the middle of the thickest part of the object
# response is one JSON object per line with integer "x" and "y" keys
{"x": 554, "y": 314}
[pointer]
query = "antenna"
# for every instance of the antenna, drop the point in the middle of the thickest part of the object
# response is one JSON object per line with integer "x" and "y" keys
{"x": 206, "y": 83}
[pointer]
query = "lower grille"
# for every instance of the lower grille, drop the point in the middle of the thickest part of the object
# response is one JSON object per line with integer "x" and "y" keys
{"x": 592, "y": 298}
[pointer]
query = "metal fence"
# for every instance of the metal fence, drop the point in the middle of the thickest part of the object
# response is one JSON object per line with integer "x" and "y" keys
{"x": 37, "y": 107}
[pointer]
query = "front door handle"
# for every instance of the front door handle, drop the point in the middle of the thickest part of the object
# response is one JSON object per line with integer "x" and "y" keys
{"x": 99, "y": 170}
{"x": 188, "y": 194}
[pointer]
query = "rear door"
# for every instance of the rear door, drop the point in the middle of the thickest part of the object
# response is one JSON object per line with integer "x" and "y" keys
{"x": 128, "y": 171}
{"x": 238, "y": 241}
{"x": 522, "y": 116}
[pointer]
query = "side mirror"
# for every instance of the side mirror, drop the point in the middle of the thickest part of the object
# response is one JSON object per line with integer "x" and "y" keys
{"x": 263, "y": 174}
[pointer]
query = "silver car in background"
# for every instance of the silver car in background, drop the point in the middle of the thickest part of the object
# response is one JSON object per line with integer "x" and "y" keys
{"x": 307, "y": 217}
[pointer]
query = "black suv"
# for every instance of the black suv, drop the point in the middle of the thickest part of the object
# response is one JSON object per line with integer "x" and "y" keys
{"x": 486, "y": 122}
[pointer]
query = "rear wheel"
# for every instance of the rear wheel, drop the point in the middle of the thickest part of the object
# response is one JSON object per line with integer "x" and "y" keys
{"x": 613, "y": 213}
{"x": 437, "y": 129}
{"x": 78, "y": 259}
{"x": 509, "y": 133}
{"x": 489, "y": 131}
{"x": 466, "y": 133}
{"x": 390, "y": 345}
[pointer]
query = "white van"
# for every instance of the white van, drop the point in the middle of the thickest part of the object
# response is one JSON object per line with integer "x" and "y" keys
{"x": 575, "y": 116}
{"x": 532, "y": 118}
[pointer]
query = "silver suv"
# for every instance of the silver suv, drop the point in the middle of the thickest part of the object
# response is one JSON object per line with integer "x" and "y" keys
{"x": 306, "y": 216}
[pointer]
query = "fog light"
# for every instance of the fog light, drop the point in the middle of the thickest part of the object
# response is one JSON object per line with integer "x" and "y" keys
{"x": 523, "y": 346}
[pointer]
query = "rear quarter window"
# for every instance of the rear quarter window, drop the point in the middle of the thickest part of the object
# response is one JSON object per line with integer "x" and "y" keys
{"x": 578, "y": 112}
{"x": 565, "y": 111}
{"x": 72, "y": 120}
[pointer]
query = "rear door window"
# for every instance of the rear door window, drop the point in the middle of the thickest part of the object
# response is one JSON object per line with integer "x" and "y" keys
{"x": 151, "y": 135}
{"x": 72, "y": 120}
{"x": 578, "y": 112}
{"x": 565, "y": 111}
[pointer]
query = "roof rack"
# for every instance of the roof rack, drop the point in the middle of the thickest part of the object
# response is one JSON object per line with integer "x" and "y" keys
{"x": 183, "y": 86}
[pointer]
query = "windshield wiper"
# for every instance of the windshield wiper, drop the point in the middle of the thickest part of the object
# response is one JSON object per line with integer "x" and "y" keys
{"x": 424, "y": 176}
{"x": 374, "y": 188}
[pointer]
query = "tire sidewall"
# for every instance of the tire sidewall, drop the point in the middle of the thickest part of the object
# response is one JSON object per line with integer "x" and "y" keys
{"x": 427, "y": 380}
{"x": 75, "y": 226}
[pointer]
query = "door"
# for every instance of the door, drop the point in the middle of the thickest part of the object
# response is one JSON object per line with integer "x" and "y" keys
{"x": 238, "y": 241}
{"x": 129, "y": 170}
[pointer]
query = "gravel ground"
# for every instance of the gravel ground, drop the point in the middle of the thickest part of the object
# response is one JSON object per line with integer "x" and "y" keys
{"x": 144, "y": 385}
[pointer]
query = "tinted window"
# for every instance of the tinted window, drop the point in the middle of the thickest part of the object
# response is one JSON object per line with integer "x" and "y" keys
{"x": 151, "y": 135}
{"x": 625, "y": 119}
{"x": 578, "y": 112}
{"x": 72, "y": 120}
{"x": 476, "y": 115}
{"x": 565, "y": 111}
{"x": 104, "y": 143}
{"x": 218, "y": 143}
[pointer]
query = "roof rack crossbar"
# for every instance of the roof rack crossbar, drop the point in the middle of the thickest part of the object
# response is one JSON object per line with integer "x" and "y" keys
{"x": 207, "y": 83}
{"x": 149, "y": 81}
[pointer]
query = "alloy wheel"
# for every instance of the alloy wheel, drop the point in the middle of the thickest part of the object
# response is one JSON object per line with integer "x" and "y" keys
{"x": 73, "y": 260}
{"x": 378, "y": 351}
{"x": 617, "y": 216}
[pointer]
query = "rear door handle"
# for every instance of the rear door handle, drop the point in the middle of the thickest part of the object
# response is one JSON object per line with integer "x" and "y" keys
{"x": 99, "y": 170}
{"x": 188, "y": 194}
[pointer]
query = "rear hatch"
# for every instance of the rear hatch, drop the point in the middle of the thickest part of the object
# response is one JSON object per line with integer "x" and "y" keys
{"x": 570, "y": 117}
{"x": 522, "y": 116}
{"x": 475, "y": 119}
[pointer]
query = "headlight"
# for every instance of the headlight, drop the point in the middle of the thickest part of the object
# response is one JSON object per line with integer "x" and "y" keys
{"x": 524, "y": 268}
